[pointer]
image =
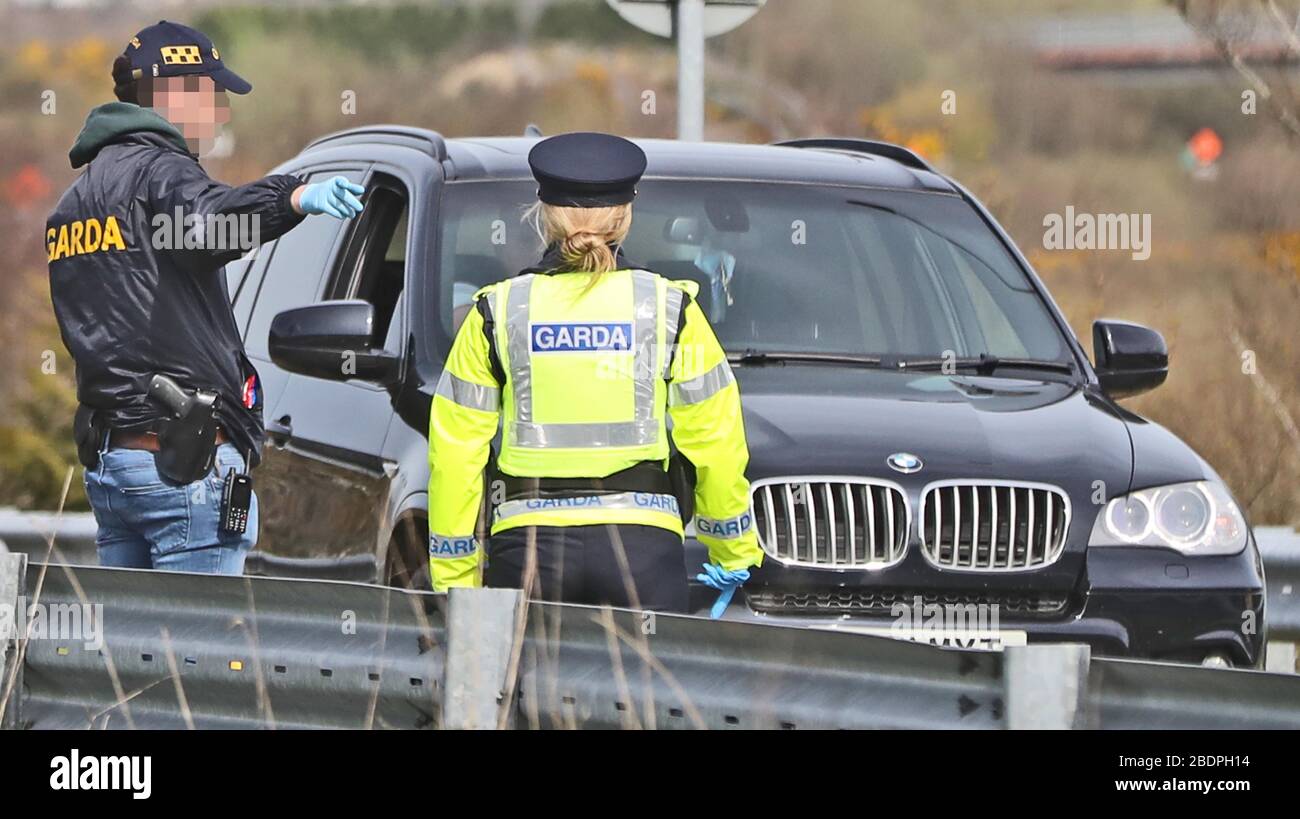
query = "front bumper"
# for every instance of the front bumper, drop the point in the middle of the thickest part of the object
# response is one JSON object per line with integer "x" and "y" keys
{"x": 1128, "y": 602}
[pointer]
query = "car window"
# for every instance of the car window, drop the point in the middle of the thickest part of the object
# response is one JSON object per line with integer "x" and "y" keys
{"x": 373, "y": 263}
{"x": 483, "y": 240}
{"x": 993, "y": 321}
{"x": 789, "y": 267}
{"x": 243, "y": 280}
{"x": 297, "y": 264}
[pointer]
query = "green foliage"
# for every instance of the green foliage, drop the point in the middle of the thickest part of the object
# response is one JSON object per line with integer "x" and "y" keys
{"x": 386, "y": 33}
{"x": 381, "y": 33}
{"x": 36, "y": 445}
{"x": 590, "y": 21}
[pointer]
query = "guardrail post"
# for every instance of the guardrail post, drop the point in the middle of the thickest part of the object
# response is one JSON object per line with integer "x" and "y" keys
{"x": 13, "y": 625}
{"x": 480, "y": 642}
{"x": 1281, "y": 658}
{"x": 1046, "y": 686}
{"x": 1280, "y": 549}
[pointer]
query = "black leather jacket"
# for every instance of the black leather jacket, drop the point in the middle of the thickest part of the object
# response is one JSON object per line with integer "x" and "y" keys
{"x": 131, "y": 300}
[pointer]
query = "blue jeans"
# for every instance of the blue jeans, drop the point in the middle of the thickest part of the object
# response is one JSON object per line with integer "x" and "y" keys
{"x": 147, "y": 523}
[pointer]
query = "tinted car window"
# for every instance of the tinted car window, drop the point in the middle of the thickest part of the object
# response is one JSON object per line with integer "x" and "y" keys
{"x": 785, "y": 267}
{"x": 293, "y": 278}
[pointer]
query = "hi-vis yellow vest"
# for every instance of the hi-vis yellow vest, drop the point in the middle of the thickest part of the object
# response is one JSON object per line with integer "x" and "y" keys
{"x": 586, "y": 392}
{"x": 590, "y": 375}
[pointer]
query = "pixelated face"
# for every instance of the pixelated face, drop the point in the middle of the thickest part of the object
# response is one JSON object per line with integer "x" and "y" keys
{"x": 194, "y": 104}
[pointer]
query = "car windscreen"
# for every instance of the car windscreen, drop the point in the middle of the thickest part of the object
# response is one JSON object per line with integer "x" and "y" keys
{"x": 788, "y": 267}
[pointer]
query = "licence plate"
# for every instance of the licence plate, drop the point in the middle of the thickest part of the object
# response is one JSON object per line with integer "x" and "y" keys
{"x": 980, "y": 639}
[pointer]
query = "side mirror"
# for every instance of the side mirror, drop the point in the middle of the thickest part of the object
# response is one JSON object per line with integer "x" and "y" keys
{"x": 332, "y": 340}
{"x": 1131, "y": 359}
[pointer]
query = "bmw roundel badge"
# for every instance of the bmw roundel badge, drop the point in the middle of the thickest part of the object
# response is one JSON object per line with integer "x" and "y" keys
{"x": 904, "y": 462}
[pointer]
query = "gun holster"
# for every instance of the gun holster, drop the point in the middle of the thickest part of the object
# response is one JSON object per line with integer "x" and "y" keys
{"x": 187, "y": 439}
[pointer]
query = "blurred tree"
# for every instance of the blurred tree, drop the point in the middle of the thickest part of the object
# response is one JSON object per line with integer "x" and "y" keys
{"x": 36, "y": 445}
{"x": 1248, "y": 36}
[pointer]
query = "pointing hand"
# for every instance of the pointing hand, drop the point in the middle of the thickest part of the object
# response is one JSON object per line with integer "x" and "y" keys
{"x": 335, "y": 196}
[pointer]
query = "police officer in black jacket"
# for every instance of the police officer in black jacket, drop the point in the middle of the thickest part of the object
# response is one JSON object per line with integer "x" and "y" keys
{"x": 170, "y": 411}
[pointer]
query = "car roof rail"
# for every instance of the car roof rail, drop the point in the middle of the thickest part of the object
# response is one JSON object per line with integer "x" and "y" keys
{"x": 431, "y": 142}
{"x": 889, "y": 150}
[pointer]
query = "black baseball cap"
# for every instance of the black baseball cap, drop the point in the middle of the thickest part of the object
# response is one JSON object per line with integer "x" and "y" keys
{"x": 586, "y": 170}
{"x": 169, "y": 49}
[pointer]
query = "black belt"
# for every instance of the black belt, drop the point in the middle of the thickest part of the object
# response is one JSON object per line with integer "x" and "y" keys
{"x": 147, "y": 439}
{"x": 647, "y": 476}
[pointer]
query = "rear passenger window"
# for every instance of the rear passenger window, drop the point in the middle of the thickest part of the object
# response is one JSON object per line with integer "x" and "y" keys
{"x": 298, "y": 263}
{"x": 237, "y": 271}
{"x": 242, "y": 277}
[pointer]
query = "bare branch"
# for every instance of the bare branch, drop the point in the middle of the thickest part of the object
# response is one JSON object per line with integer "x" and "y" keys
{"x": 1226, "y": 44}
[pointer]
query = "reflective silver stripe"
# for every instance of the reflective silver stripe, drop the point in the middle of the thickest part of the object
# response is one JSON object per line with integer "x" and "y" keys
{"x": 648, "y": 501}
{"x": 451, "y": 547}
{"x": 584, "y": 436}
{"x": 645, "y": 307}
{"x": 703, "y": 386}
{"x": 468, "y": 394}
{"x": 672, "y": 314}
{"x": 726, "y": 528}
{"x": 521, "y": 365}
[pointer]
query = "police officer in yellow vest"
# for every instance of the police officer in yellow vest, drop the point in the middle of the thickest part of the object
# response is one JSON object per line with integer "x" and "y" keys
{"x": 581, "y": 358}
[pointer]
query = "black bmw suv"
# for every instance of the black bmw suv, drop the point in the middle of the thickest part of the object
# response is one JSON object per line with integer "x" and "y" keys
{"x": 929, "y": 441}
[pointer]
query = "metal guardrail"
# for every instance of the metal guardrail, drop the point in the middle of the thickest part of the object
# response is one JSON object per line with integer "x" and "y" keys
{"x": 1135, "y": 695}
{"x": 584, "y": 667}
{"x": 182, "y": 650}
{"x": 196, "y": 650}
{"x": 30, "y": 532}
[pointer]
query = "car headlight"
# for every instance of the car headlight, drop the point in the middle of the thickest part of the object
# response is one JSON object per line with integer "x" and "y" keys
{"x": 1197, "y": 518}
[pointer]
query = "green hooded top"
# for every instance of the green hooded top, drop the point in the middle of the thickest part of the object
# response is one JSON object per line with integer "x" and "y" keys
{"x": 112, "y": 120}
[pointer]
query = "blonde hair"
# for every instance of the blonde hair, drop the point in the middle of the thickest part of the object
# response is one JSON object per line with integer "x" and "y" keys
{"x": 587, "y": 237}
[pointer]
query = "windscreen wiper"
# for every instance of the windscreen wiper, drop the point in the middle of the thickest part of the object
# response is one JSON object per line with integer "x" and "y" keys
{"x": 985, "y": 364}
{"x": 754, "y": 357}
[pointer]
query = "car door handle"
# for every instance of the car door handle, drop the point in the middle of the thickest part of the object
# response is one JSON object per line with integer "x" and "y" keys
{"x": 280, "y": 430}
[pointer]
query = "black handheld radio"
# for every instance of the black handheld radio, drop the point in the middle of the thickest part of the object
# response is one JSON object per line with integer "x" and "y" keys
{"x": 236, "y": 500}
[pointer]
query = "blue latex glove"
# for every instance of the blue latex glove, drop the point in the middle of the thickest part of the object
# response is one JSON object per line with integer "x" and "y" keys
{"x": 335, "y": 196}
{"x": 724, "y": 581}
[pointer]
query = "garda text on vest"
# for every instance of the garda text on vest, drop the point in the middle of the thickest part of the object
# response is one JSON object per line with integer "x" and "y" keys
{"x": 578, "y": 337}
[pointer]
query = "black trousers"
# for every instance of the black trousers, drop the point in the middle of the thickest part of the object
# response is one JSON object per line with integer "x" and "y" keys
{"x": 581, "y": 564}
